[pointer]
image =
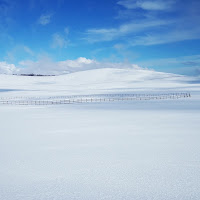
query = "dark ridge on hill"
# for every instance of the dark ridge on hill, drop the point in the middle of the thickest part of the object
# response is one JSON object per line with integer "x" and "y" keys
{"x": 32, "y": 75}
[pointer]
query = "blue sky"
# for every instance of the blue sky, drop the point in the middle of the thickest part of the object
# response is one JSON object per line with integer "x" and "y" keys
{"x": 159, "y": 34}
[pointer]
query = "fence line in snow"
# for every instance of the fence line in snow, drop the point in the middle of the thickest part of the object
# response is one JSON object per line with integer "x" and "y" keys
{"x": 90, "y": 98}
{"x": 95, "y": 95}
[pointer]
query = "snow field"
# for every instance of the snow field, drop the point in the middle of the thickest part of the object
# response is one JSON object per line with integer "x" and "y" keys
{"x": 121, "y": 150}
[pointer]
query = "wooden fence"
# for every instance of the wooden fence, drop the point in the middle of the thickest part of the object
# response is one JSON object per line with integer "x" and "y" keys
{"x": 57, "y": 100}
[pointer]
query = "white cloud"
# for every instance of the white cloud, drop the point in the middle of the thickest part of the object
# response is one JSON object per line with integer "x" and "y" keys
{"x": 151, "y": 27}
{"x": 166, "y": 37}
{"x": 6, "y": 68}
{"x": 59, "y": 41}
{"x": 18, "y": 51}
{"x": 146, "y": 4}
{"x": 78, "y": 64}
{"x": 28, "y": 50}
{"x": 98, "y": 35}
{"x": 186, "y": 65}
{"x": 43, "y": 66}
{"x": 48, "y": 67}
{"x": 44, "y": 19}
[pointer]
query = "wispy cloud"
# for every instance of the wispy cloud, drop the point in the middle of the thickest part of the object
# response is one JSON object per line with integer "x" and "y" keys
{"x": 98, "y": 35}
{"x": 59, "y": 41}
{"x": 151, "y": 26}
{"x": 45, "y": 19}
{"x": 19, "y": 51}
{"x": 28, "y": 50}
{"x": 193, "y": 60}
{"x": 189, "y": 65}
{"x": 166, "y": 37}
{"x": 146, "y": 4}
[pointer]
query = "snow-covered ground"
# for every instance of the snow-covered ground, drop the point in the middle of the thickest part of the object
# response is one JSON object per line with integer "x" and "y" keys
{"x": 94, "y": 151}
{"x": 96, "y": 81}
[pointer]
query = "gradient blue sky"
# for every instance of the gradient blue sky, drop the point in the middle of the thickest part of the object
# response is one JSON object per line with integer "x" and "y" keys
{"x": 159, "y": 34}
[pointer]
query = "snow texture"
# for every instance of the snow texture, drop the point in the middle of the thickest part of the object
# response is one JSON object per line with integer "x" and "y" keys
{"x": 100, "y": 151}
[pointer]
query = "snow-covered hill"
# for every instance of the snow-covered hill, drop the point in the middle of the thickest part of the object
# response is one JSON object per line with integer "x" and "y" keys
{"x": 106, "y": 80}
